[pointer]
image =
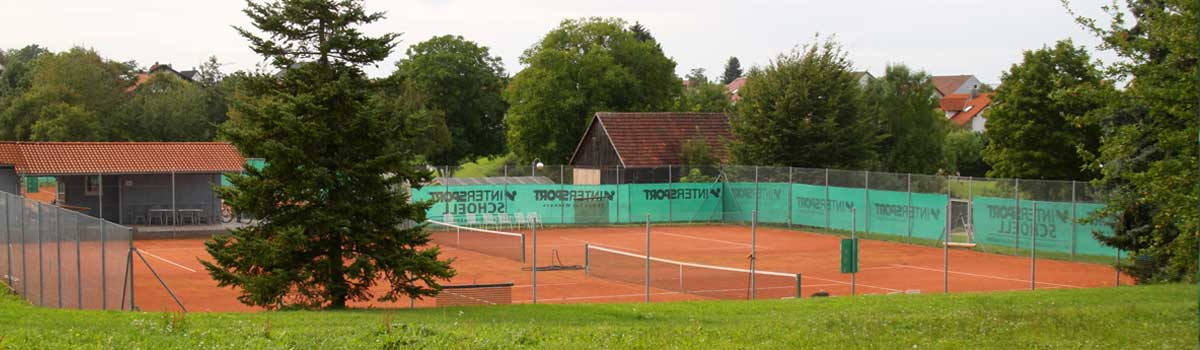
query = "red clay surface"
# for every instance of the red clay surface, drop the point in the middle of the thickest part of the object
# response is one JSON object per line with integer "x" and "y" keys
{"x": 885, "y": 267}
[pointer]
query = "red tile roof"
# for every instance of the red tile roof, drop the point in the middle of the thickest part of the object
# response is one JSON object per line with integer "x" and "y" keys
{"x": 964, "y": 107}
{"x": 652, "y": 139}
{"x": 67, "y": 158}
{"x": 734, "y": 86}
{"x": 947, "y": 84}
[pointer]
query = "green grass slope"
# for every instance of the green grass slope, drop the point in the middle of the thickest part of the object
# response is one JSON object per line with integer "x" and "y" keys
{"x": 1147, "y": 317}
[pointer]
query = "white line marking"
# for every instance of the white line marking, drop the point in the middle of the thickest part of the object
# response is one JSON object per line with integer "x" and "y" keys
{"x": 544, "y": 285}
{"x": 848, "y": 283}
{"x": 592, "y": 243}
{"x": 987, "y": 276}
{"x": 166, "y": 261}
{"x": 708, "y": 239}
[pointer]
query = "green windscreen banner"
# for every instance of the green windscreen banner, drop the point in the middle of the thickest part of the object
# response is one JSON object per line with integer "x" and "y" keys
{"x": 921, "y": 215}
{"x": 675, "y": 202}
{"x": 998, "y": 222}
{"x": 895, "y": 213}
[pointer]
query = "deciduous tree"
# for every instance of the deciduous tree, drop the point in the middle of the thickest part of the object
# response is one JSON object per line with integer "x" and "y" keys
{"x": 463, "y": 81}
{"x": 912, "y": 131}
{"x": 1036, "y": 124}
{"x": 803, "y": 109}
{"x": 582, "y": 67}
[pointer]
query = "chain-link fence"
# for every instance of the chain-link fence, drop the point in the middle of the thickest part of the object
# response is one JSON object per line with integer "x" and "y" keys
{"x": 54, "y": 257}
{"x": 995, "y": 215}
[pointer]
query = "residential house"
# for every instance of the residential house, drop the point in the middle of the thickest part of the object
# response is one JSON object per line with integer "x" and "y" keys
{"x": 143, "y": 77}
{"x": 967, "y": 110}
{"x": 955, "y": 84}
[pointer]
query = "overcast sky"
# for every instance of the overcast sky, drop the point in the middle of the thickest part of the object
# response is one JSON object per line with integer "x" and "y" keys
{"x": 983, "y": 38}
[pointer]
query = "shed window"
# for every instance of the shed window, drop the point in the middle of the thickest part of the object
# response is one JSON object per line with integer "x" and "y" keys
{"x": 91, "y": 185}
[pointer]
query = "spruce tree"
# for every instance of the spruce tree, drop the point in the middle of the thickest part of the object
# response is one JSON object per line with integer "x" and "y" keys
{"x": 733, "y": 70}
{"x": 333, "y": 220}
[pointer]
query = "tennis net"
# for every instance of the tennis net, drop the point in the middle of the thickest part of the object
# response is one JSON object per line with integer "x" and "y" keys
{"x": 507, "y": 245}
{"x": 717, "y": 282}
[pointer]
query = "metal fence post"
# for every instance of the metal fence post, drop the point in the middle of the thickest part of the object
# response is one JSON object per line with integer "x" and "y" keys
{"x": 854, "y": 237}
{"x": 133, "y": 233}
{"x": 753, "y": 250}
{"x": 587, "y": 259}
{"x": 1073, "y": 217}
{"x": 78, "y": 263}
{"x": 789, "y": 218}
{"x": 103, "y": 264}
{"x": 908, "y": 215}
{"x": 799, "y": 286}
{"x": 24, "y": 257}
{"x": 755, "y": 192}
{"x": 946, "y": 249}
{"x": 8, "y": 239}
{"x": 670, "y": 197}
{"x": 58, "y": 251}
{"x": 1017, "y": 198}
{"x": 1033, "y": 250}
{"x": 827, "y": 225}
{"x": 867, "y": 201}
{"x": 647, "y": 258}
{"x": 562, "y": 206}
{"x": 41, "y": 259}
{"x": 534, "y": 225}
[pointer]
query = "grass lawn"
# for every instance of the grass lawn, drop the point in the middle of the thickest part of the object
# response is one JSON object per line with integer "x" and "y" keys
{"x": 1145, "y": 317}
{"x": 483, "y": 167}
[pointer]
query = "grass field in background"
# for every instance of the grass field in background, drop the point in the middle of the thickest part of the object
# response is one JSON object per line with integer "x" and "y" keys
{"x": 483, "y": 167}
{"x": 1146, "y": 317}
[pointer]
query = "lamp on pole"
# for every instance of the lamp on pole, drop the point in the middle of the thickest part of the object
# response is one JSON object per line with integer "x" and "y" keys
{"x": 533, "y": 167}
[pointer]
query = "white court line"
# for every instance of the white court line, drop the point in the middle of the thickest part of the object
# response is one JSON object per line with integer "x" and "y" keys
{"x": 987, "y": 276}
{"x": 881, "y": 268}
{"x": 545, "y": 284}
{"x": 590, "y": 242}
{"x": 165, "y": 260}
{"x": 707, "y": 239}
{"x": 848, "y": 283}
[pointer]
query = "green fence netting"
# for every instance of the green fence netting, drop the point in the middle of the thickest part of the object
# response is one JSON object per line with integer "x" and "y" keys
{"x": 885, "y": 212}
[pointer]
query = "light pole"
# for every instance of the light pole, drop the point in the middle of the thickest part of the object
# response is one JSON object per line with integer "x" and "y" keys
{"x": 533, "y": 167}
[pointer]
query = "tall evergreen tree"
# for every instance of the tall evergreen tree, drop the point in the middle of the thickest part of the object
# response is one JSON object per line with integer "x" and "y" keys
{"x": 1036, "y": 125}
{"x": 1149, "y": 158}
{"x": 804, "y": 109}
{"x": 733, "y": 70}
{"x": 333, "y": 217}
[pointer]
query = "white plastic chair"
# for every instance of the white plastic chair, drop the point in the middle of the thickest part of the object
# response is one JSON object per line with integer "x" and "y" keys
{"x": 534, "y": 219}
{"x": 471, "y": 220}
{"x": 502, "y": 220}
{"x": 519, "y": 219}
{"x": 488, "y": 221}
{"x": 448, "y": 218}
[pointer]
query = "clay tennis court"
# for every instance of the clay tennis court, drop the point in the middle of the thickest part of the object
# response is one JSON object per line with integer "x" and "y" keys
{"x": 885, "y": 268}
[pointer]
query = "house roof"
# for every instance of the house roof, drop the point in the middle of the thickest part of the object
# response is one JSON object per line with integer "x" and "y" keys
{"x": 964, "y": 107}
{"x": 734, "y": 86}
{"x": 69, "y": 158}
{"x": 947, "y": 84}
{"x": 653, "y": 139}
{"x": 143, "y": 77}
